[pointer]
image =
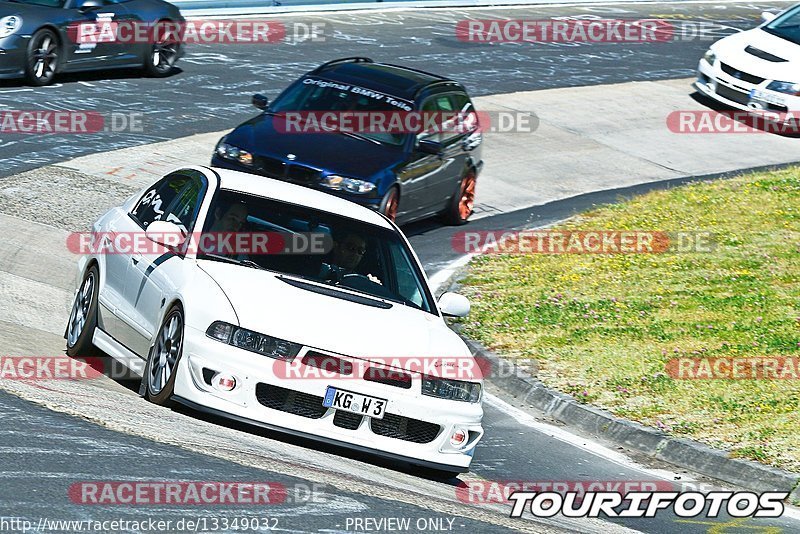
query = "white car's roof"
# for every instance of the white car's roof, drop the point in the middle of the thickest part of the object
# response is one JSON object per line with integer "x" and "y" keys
{"x": 296, "y": 194}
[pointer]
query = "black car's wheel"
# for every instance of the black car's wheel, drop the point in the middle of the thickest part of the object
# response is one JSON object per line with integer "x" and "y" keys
{"x": 163, "y": 52}
{"x": 160, "y": 371}
{"x": 83, "y": 318}
{"x": 390, "y": 202}
{"x": 463, "y": 200}
{"x": 41, "y": 60}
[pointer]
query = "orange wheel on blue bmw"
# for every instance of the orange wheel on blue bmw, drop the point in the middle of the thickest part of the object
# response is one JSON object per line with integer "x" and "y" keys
{"x": 390, "y": 202}
{"x": 463, "y": 201}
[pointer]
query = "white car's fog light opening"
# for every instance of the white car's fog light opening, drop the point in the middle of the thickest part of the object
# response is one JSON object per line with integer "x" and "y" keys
{"x": 459, "y": 437}
{"x": 224, "y": 382}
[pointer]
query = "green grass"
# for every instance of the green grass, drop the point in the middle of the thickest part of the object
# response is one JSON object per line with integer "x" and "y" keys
{"x": 602, "y": 327}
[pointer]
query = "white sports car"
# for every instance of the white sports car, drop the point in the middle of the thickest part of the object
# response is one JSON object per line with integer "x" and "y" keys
{"x": 756, "y": 70}
{"x": 331, "y": 344}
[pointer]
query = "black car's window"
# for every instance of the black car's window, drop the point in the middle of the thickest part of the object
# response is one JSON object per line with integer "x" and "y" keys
{"x": 175, "y": 198}
{"x": 462, "y": 103}
{"x": 315, "y": 94}
{"x": 356, "y": 256}
{"x": 441, "y": 105}
{"x": 430, "y": 106}
{"x": 457, "y": 104}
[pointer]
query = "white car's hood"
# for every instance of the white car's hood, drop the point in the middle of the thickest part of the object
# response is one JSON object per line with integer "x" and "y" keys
{"x": 266, "y": 304}
{"x": 731, "y": 50}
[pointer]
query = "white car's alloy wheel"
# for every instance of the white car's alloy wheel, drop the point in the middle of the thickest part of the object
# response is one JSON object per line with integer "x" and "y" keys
{"x": 80, "y": 310}
{"x": 164, "y": 358}
{"x": 83, "y": 317}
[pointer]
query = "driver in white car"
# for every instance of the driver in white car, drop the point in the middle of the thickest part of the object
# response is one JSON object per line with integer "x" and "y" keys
{"x": 348, "y": 252}
{"x": 228, "y": 219}
{"x": 345, "y": 257}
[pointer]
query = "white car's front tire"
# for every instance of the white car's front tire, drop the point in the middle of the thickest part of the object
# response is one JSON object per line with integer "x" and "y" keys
{"x": 162, "y": 363}
{"x": 83, "y": 317}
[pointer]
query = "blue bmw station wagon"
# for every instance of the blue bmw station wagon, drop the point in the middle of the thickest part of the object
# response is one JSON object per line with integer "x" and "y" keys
{"x": 405, "y": 175}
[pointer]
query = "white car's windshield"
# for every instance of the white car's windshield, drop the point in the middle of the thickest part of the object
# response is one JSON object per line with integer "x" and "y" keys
{"x": 315, "y": 245}
{"x": 786, "y": 26}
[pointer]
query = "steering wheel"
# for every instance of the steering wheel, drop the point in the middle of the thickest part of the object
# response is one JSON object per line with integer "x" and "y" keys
{"x": 364, "y": 283}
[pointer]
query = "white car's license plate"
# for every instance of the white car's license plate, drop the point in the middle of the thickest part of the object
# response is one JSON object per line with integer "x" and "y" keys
{"x": 348, "y": 401}
{"x": 756, "y": 94}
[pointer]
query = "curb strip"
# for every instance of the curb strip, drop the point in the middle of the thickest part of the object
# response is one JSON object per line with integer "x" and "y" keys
{"x": 681, "y": 452}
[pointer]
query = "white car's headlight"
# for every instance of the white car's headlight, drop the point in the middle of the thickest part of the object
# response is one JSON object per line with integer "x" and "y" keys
{"x": 785, "y": 87}
{"x": 351, "y": 185}
{"x": 262, "y": 344}
{"x": 451, "y": 389}
{"x": 710, "y": 57}
{"x": 9, "y": 25}
{"x": 224, "y": 150}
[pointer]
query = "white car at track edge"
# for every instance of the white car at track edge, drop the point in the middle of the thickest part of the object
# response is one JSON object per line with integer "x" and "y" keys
{"x": 757, "y": 70}
{"x": 217, "y": 332}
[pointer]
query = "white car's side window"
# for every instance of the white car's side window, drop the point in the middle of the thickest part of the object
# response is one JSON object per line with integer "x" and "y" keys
{"x": 176, "y": 199}
{"x": 407, "y": 283}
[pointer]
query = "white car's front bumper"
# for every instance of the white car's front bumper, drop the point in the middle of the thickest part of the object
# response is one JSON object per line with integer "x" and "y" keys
{"x": 416, "y": 428}
{"x": 736, "y": 89}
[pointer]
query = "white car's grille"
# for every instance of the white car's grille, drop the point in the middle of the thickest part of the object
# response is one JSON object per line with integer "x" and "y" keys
{"x": 306, "y": 405}
{"x": 405, "y": 428}
{"x": 732, "y": 94}
{"x": 740, "y": 75}
{"x": 288, "y": 400}
{"x": 347, "y": 420}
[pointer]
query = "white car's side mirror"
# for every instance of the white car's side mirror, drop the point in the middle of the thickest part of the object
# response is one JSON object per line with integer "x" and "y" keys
{"x": 454, "y": 305}
{"x": 166, "y": 233}
{"x": 766, "y": 16}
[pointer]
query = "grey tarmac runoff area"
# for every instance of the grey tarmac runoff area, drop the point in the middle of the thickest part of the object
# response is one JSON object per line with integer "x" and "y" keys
{"x": 602, "y": 134}
{"x": 214, "y": 84}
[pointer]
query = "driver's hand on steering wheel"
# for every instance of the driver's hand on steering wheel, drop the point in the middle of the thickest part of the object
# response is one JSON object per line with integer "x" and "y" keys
{"x": 331, "y": 272}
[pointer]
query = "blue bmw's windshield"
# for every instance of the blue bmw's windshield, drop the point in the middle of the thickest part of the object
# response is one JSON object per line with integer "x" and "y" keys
{"x": 316, "y": 94}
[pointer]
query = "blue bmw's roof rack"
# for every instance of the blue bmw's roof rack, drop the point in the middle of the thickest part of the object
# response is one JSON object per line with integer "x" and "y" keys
{"x": 355, "y": 59}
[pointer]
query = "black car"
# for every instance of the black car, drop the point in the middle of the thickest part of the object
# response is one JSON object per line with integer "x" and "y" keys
{"x": 406, "y": 176}
{"x": 38, "y": 38}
